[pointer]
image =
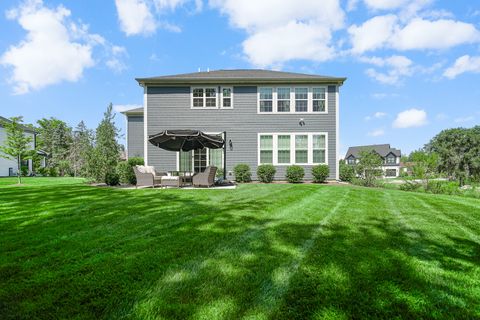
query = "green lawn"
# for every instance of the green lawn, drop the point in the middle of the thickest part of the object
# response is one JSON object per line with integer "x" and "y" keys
{"x": 279, "y": 251}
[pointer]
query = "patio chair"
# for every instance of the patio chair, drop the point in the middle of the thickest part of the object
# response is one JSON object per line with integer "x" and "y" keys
{"x": 205, "y": 178}
{"x": 147, "y": 176}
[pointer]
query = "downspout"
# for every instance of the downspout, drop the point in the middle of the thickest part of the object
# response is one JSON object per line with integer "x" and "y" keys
{"x": 224, "y": 155}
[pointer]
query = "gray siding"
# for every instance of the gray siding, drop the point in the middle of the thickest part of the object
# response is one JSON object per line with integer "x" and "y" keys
{"x": 169, "y": 108}
{"x": 135, "y": 136}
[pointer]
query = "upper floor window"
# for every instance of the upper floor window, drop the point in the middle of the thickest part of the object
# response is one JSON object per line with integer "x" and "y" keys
{"x": 266, "y": 99}
{"x": 227, "y": 97}
{"x": 204, "y": 97}
{"x": 318, "y": 99}
{"x": 351, "y": 161}
{"x": 293, "y": 99}
{"x": 391, "y": 160}
{"x": 283, "y": 99}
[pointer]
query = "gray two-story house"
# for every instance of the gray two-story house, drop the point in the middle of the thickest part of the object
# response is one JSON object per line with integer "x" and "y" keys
{"x": 390, "y": 157}
{"x": 273, "y": 117}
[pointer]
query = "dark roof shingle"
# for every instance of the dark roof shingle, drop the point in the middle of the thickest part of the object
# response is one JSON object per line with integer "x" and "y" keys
{"x": 382, "y": 149}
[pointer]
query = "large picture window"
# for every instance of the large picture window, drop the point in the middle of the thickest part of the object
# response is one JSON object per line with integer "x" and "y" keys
{"x": 293, "y": 148}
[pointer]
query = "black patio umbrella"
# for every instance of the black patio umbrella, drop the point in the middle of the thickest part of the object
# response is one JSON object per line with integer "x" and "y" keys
{"x": 185, "y": 140}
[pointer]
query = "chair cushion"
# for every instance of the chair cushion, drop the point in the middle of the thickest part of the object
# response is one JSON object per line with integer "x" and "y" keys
{"x": 150, "y": 169}
{"x": 141, "y": 169}
{"x": 170, "y": 178}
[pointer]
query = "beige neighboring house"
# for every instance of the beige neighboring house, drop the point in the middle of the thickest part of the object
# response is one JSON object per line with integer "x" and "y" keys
{"x": 9, "y": 167}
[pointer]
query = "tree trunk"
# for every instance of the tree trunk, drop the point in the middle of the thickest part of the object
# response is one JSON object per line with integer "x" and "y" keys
{"x": 19, "y": 170}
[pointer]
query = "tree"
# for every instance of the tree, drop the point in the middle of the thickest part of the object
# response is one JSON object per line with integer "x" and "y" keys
{"x": 425, "y": 165}
{"x": 17, "y": 145}
{"x": 82, "y": 139}
{"x": 368, "y": 168}
{"x": 458, "y": 152}
{"x": 107, "y": 150}
{"x": 55, "y": 138}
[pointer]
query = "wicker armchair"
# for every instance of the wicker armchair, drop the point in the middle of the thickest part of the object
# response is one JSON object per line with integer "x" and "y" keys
{"x": 205, "y": 178}
{"x": 147, "y": 176}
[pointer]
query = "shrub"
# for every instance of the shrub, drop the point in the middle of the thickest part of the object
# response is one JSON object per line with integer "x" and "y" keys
{"x": 52, "y": 172}
{"x": 219, "y": 173}
{"x": 242, "y": 173}
{"x": 347, "y": 172}
{"x": 112, "y": 178}
{"x": 443, "y": 187}
{"x": 266, "y": 172}
{"x": 42, "y": 171}
{"x": 125, "y": 170}
{"x": 320, "y": 173}
{"x": 410, "y": 186}
{"x": 295, "y": 174}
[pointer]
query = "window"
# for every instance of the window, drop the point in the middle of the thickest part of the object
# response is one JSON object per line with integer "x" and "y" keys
{"x": 390, "y": 173}
{"x": 185, "y": 161}
{"x": 204, "y": 97}
{"x": 351, "y": 161}
{"x": 266, "y": 99}
{"x": 266, "y": 149}
{"x": 318, "y": 99}
{"x": 301, "y": 149}
{"x": 283, "y": 149}
{"x": 301, "y": 99}
{"x": 227, "y": 98}
{"x": 215, "y": 157}
{"x": 391, "y": 160}
{"x": 319, "y": 148}
{"x": 283, "y": 99}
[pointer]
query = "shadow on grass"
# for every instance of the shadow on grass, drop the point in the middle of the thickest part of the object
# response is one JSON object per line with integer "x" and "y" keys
{"x": 101, "y": 253}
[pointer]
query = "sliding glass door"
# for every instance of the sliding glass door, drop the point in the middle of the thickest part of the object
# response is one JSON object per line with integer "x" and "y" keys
{"x": 198, "y": 160}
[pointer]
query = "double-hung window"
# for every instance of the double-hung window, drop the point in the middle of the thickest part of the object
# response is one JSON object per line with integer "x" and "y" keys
{"x": 227, "y": 97}
{"x": 204, "y": 97}
{"x": 266, "y": 149}
{"x": 266, "y": 99}
{"x": 283, "y": 155}
{"x": 283, "y": 99}
{"x": 318, "y": 99}
{"x": 301, "y": 99}
{"x": 391, "y": 160}
{"x": 319, "y": 148}
{"x": 301, "y": 148}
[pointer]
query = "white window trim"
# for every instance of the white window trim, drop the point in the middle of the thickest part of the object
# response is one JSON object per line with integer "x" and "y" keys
{"x": 208, "y": 154}
{"x": 204, "y": 97}
{"x": 221, "y": 97}
{"x": 292, "y": 147}
{"x": 292, "y": 100}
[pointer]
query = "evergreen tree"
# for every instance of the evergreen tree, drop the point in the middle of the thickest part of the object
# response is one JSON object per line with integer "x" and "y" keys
{"x": 17, "y": 145}
{"x": 82, "y": 139}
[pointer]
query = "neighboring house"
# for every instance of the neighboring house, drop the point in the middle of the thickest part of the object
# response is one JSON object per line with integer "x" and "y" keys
{"x": 10, "y": 167}
{"x": 280, "y": 118}
{"x": 390, "y": 156}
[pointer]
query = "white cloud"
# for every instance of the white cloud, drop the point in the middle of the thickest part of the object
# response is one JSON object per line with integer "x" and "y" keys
{"x": 376, "y": 133}
{"x": 279, "y": 31}
{"x": 410, "y": 118}
{"x": 463, "y": 64}
{"x": 125, "y": 107}
{"x": 464, "y": 119}
{"x": 397, "y": 67}
{"x": 141, "y": 17}
{"x": 418, "y": 34}
{"x": 55, "y": 49}
{"x": 385, "y": 4}
{"x": 376, "y": 115}
{"x": 135, "y": 17}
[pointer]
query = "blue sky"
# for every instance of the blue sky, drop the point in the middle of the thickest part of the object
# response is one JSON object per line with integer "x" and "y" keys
{"x": 413, "y": 66}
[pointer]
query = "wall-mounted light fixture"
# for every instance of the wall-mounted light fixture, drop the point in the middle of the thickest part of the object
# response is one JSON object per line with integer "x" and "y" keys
{"x": 230, "y": 145}
{"x": 301, "y": 122}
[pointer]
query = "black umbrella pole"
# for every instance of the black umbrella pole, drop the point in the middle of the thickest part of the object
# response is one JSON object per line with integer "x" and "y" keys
{"x": 224, "y": 155}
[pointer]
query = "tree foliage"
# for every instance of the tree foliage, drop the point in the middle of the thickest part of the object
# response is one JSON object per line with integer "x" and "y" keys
{"x": 81, "y": 146}
{"x": 458, "y": 152}
{"x": 369, "y": 167}
{"x": 17, "y": 145}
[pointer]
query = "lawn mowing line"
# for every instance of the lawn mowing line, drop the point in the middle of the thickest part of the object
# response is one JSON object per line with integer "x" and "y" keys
{"x": 272, "y": 294}
{"x": 202, "y": 261}
{"x": 443, "y": 215}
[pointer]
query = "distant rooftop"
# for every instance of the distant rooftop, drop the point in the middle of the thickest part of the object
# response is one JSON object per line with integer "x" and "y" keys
{"x": 241, "y": 76}
{"x": 382, "y": 149}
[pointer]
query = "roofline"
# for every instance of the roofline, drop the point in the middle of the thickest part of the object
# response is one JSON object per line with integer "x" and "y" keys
{"x": 22, "y": 126}
{"x": 130, "y": 113}
{"x": 182, "y": 81}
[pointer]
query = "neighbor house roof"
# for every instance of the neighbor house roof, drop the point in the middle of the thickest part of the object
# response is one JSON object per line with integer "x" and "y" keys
{"x": 133, "y": 111}
{"x": 240, "y": 76}
{"x": 382, "y": 149}
{"x": 25, "y": 128}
